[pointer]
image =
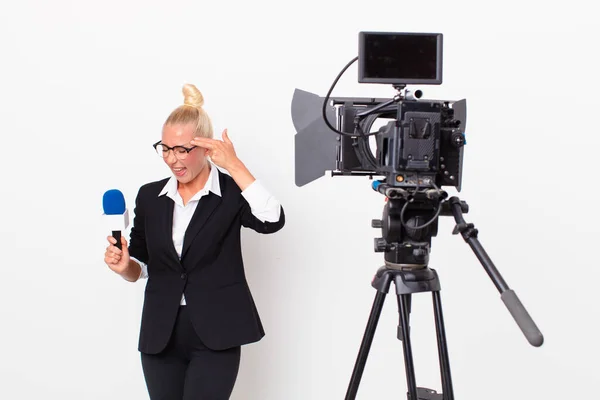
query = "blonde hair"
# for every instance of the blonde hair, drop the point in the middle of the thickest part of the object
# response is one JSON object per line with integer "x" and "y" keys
{"x": 191, "y": 112}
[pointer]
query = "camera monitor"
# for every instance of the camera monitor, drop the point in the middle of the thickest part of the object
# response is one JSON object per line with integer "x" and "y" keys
{"x": 400, "y": 58}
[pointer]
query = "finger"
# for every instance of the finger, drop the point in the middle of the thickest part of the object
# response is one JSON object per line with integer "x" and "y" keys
{"x": 111, "y": 240}
{"x": 125, "y": 251}
{"x": 113, "y": 258}
{"x": 113, "y": 250}
{"x": 204, "y": 142}
{"x": 110, "y": 260}
{"x": 226, "y": 137}
{"x": 113, "y": 261}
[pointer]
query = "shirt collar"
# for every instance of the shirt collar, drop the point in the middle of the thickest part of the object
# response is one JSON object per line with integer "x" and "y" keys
{"x": 212, "y": 185}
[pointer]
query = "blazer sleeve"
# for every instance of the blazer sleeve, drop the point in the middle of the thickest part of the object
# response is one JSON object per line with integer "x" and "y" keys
{"x": 249, "y": 220}
{"x": 137, "y": 237}
{"x": 260, "y": 210}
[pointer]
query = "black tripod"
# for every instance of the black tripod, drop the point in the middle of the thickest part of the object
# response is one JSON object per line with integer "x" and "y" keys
{"x": 406, "y": 243}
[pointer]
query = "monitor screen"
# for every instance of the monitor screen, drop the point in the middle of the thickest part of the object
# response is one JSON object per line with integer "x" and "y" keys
{"x": 400, "y": 58}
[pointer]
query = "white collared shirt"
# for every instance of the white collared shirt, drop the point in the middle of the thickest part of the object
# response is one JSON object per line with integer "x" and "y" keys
{"x": 263, "y": 205}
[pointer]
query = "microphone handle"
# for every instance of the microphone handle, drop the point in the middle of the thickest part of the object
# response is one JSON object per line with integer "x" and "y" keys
{"x": 117, "y": 236}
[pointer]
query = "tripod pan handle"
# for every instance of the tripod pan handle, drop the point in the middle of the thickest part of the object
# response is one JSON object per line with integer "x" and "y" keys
{"x": 522, "y": 318}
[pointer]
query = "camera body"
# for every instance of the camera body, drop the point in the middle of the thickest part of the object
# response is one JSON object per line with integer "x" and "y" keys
{"x": 421, "y": 143}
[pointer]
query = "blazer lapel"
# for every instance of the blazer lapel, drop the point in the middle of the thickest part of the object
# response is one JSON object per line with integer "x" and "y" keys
{"x": 206, "y": 207}
{"x": 167, "y": 206}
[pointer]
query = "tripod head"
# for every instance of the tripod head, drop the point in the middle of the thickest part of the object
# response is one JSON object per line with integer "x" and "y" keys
{"x": 409, "y": 222}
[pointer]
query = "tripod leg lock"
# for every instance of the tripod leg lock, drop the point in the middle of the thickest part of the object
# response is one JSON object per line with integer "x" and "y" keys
{"x": 466, "y": 229}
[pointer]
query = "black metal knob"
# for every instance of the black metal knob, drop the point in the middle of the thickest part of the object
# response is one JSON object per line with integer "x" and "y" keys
{"x": 380, "y": 245}
{"x": 457, "y": 139}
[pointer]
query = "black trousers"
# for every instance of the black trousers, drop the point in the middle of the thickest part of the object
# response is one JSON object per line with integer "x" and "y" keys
{"x": 187, "y": 369}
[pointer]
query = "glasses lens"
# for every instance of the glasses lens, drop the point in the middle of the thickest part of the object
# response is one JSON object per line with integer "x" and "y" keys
{"x": 180, "y": 152}
{"x": 162, "y": 150}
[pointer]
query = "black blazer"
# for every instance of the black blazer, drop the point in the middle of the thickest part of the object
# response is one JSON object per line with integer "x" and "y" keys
{"x": 210, "y": 273}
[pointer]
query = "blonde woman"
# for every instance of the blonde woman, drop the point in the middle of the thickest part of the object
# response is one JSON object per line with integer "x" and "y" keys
{"x": 185, "y": 240}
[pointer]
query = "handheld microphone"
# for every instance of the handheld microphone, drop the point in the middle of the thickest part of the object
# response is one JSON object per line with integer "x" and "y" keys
{"x": 115, "y": 214}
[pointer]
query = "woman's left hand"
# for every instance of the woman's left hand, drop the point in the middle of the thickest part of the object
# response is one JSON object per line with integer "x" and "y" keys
{"x": 221, "y": 153}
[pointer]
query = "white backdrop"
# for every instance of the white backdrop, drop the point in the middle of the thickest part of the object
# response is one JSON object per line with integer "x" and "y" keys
{"x": 86, "y": 86}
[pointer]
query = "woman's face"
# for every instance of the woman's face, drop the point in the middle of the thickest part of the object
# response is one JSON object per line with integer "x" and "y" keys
{"x": 189, "y": 168}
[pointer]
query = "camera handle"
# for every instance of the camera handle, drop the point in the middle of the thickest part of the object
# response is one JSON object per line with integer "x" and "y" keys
{"x": 508, "y": 296}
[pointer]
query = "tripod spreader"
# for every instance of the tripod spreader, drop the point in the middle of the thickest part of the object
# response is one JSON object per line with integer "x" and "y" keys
{"x": 509, "y": 297}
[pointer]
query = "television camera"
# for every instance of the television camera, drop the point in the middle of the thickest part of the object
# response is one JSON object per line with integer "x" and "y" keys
{"x": 416, "y": 153}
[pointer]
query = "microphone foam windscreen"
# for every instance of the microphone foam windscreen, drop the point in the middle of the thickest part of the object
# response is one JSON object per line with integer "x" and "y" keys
{"x": 113, "y": 202}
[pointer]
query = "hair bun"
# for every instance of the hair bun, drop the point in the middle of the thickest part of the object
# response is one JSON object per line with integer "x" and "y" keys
{"x": 192, "y": 96}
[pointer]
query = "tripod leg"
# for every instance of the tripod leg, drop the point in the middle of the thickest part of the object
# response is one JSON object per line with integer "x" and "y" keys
{"x": 442, "y": 347}
{"x": 365, "y": 346}
{"x": 404, "y": 302}
{"x": 408, "y": 304}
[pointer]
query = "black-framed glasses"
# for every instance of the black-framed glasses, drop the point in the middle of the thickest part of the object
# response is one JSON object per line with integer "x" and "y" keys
{"x": 180, "y": 152}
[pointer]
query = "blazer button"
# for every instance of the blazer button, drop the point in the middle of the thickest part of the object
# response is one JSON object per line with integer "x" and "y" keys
{"x": 183, "y": 276}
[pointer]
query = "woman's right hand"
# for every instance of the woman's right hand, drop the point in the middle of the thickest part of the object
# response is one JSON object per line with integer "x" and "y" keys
{"x": 117, "y": 260}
